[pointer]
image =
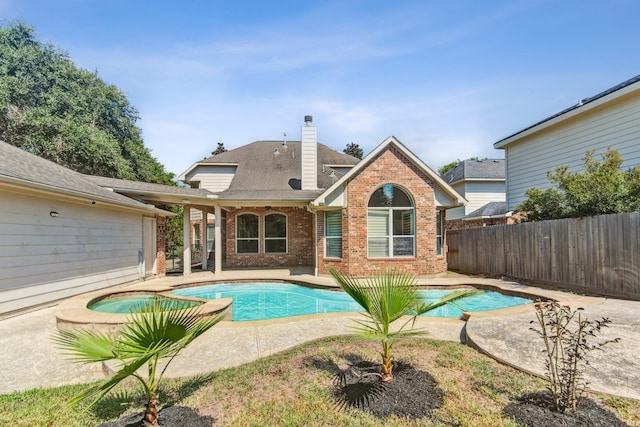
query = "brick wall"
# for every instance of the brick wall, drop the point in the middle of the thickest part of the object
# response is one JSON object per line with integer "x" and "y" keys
{"x": 459, "y": 224}
{"x": 299, "y": 240}
{"x": 389, "y": 167}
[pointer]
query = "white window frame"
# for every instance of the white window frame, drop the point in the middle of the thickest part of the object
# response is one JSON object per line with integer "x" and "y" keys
{"x": 286, "y": 233}
{"x": 257, "y": 238}
{"x": 439, "y": 232}
{"x": 390, "y": 236}
{"x": 337, "y": 238}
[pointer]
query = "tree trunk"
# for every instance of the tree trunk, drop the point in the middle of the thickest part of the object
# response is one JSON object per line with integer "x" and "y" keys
{"x": 151, "y": 412}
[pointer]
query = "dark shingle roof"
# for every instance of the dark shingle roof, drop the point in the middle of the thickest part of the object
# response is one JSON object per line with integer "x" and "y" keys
{"x": 475, "y": 169}
{"x": 31, "y": 170}
{"x": 491, "y": 209}
{"x": 270, "y": 166}
{"x": 582, "y": 102}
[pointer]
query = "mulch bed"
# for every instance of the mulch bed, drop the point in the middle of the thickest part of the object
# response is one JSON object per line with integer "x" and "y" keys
{"x": 170, "y": 416}
{"x": 412, "y": 393}
{"x": 537, "y": 410}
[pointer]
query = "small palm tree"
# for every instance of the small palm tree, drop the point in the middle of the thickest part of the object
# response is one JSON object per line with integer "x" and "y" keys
{"x": 155, "y": 331}
{"x": 386, "y": 298}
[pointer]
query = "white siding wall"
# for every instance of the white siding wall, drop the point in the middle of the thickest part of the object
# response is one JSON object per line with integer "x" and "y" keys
{"x": 478, "y": 194}
{"x": 43, "y": 259}
{"x": 528, "y": 161}
{"x": 213, "y": 178}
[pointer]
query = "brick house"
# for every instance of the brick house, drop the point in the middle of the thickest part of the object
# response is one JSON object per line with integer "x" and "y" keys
{"x": 294, "y": 204}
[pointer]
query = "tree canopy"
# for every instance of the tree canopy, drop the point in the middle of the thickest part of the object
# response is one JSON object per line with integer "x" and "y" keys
{"x": 55, "y": 110}
{"x": 219, "y": 150}
{"x": 602, "y": 188}
{"x": 354, "y": 150}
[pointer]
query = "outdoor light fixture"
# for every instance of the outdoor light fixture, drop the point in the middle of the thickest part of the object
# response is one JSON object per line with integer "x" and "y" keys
{"x": 54, "y": 214}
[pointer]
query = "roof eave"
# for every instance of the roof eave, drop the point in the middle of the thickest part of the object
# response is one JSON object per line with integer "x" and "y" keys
{"x": 78, "y": 195}
{"x": 391, "y": 140}
{"x": 567, "y": 114}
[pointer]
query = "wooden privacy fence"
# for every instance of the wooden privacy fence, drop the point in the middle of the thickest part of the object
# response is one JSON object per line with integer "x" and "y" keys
{"x": 599, "y": 254}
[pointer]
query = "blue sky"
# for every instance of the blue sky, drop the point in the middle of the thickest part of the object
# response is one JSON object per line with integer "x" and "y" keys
{"x": 447, "y": 78}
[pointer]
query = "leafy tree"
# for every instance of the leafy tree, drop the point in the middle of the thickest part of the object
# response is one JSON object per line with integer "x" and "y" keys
{"x": 602, "y": 188}
{"x": 449, "y": 166}
{"x": 55, "y": 110}
{"x": 156, "y": 331}
{"x": 219, "y": 150}
{"x": 386, "y": 298}
{"x": 354, "y": 150}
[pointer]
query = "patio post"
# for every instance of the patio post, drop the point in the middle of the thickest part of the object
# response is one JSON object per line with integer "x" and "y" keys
{"x": 186, "y": 233}
{"x": 218, "y": 240}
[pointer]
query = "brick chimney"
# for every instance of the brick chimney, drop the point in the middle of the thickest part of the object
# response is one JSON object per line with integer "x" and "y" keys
{"x": 309, "y": 155}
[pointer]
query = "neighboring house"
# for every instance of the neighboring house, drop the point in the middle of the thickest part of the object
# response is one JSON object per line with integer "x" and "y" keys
{"x": 481, "y": 183}
{"x": 61, "y": 234}
{"x": 302, "y": 204}
{"x": 608, "y": 119}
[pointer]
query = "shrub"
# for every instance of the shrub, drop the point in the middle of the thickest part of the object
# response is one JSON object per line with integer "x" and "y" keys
{"x": 567, "y": 339}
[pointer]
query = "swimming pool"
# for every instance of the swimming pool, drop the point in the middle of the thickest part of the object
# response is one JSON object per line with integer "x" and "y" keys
{"x": 260, "y": 301}
{"x": 127, "y": 303}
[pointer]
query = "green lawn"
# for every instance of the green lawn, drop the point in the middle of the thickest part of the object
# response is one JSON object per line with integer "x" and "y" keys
{"x": 293, "y": 389}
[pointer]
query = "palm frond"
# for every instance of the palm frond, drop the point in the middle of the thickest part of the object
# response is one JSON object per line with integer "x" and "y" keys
{"x": 86, "y": 346}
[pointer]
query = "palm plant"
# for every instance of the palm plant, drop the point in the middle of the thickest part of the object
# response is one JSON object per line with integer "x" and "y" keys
{"x": 155, "y": 331}
{"x": 386, "y": 298}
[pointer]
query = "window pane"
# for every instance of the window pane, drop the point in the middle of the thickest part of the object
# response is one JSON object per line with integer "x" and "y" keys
{"x": 403, "y": 246}
{"x": 389, "y": 196}
{"x": 334, "y": 247}
{"x": 248, "y": 246}
{"x": 247, "y": 226}
{"x": 333, "y": 223}
{"x": 378, "y": 223}
{"x": 378, "y": 247}
{"x": 403, "y": 222}
{"x": 275, "y": 246}
{"x": 275, "y": 225}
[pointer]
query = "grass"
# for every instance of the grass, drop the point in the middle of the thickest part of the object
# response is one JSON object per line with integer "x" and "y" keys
{"x": 293, "y": 388}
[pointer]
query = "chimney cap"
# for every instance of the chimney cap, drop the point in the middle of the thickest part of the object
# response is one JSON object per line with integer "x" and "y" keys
{"x": 308, "y": 119}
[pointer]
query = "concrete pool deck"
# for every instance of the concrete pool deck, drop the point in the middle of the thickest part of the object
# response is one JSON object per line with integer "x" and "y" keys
{"x": 29, "y": 359}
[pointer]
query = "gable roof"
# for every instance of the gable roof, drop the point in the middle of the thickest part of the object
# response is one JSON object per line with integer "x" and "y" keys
{"x": 21, "y": 168}
{"x": 587, "y": 104}
{"x": 487, "y": 169}
{"x": 271, "y": 170}
{"x": 442, "y": 188}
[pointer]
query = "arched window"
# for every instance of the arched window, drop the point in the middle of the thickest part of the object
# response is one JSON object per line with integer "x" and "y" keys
{"x": 275, "y": 234}
{"x": 390, "y": 223}
{"x": 247, "y": 233}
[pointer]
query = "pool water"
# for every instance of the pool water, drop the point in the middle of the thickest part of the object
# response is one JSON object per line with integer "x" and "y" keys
{"x": 128, "y": 303}
{"x": 260, "y": 301}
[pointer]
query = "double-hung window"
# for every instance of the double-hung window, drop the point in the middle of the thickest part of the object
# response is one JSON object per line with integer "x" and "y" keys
{"x": 247, "y": 232}
{"x": 390, "y": 223}
{"x": 333, "y": 234}
{"x": 275, "y": 234}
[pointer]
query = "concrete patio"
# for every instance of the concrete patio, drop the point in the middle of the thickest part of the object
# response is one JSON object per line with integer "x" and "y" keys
{"x": 30, "y": 359}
